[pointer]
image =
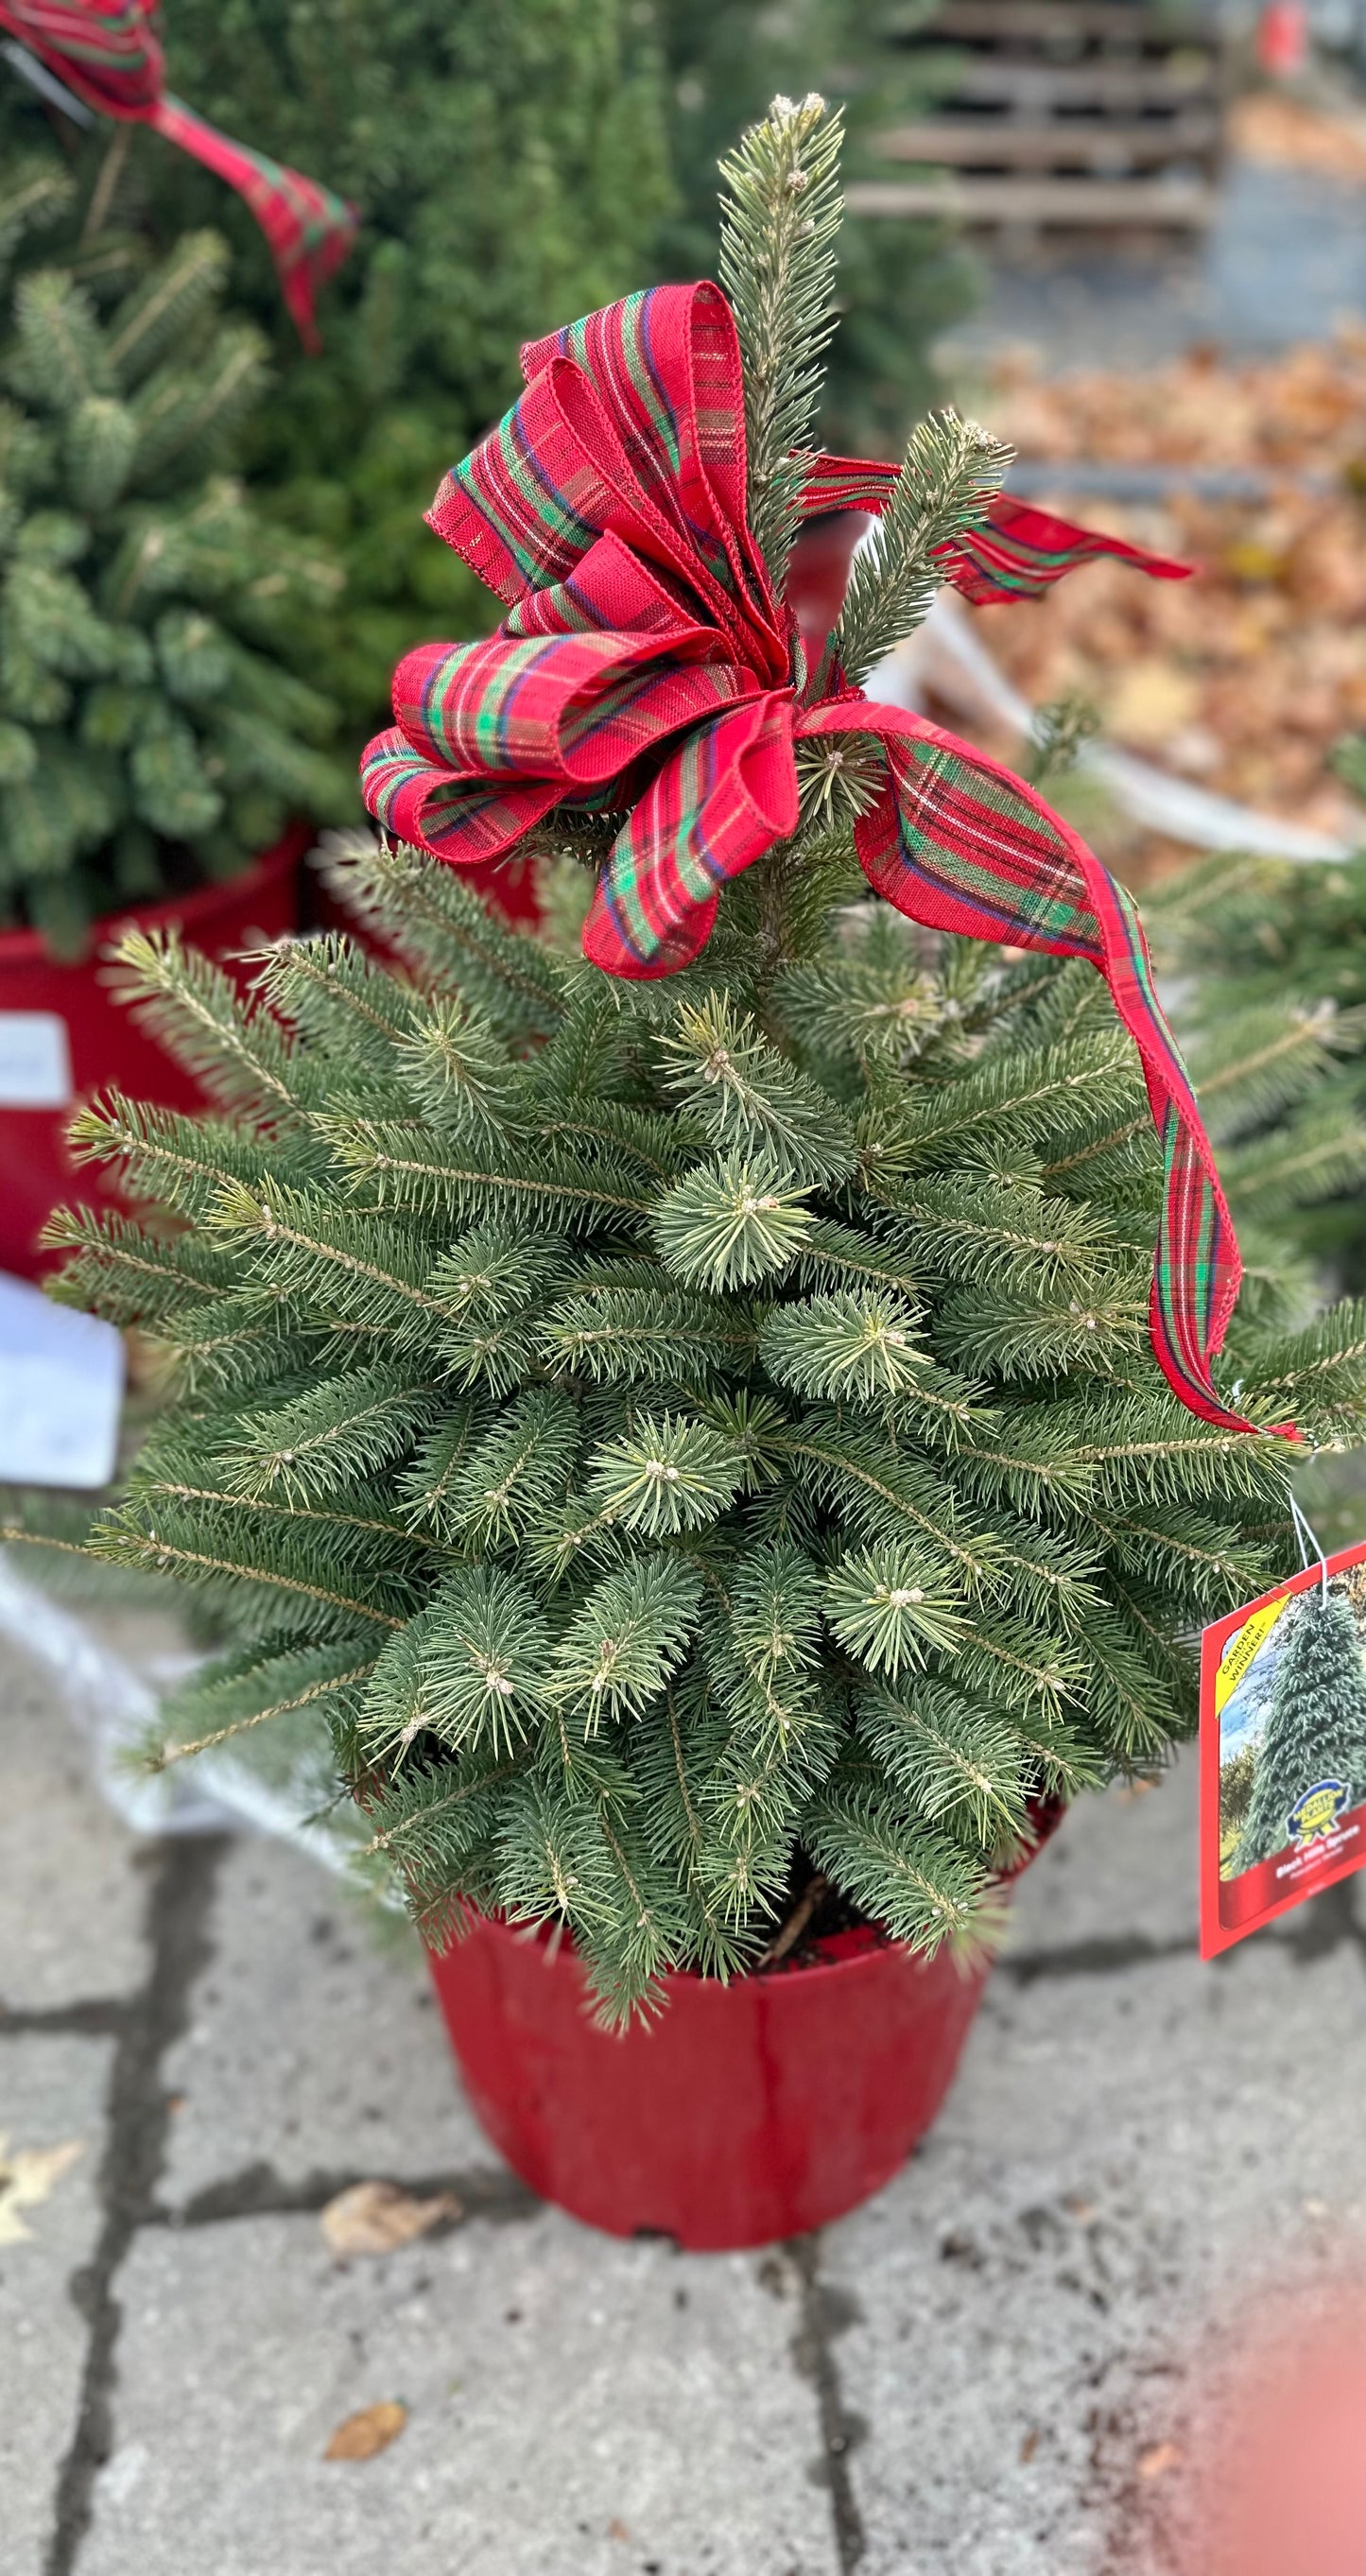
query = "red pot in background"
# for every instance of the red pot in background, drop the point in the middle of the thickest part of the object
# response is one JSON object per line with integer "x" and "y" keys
{"x": 63, "y": 1036}
{"x": 509, "y": 885}
{"x": 1283, "y": 38}
{"x": 743, "y": 2114}
{"x": 818, "y": 573}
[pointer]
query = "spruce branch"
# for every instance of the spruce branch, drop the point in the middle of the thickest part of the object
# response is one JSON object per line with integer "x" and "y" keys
{"x": 889, "y": 1605}
{"x": 731, "y": 1222}
{"x": 952, "y": 471}
{"x": 246, "y": 1691}
{"x": 666, "y": 1475}
{"x": 921, "y": 1885}
{"x": 781, "y": 210}
{"x": 742, "y": 1093}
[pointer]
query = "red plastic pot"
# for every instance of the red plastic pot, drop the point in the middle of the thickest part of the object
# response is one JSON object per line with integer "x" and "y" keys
{"x": 1283, "y": 38}
{"x": 818, "y": 573}
{"x": 743, "y": 2114}
{"x": 52, "y": 1014}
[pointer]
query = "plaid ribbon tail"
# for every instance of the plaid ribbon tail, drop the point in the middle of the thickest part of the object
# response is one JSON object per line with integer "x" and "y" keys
{"x": 726, "y": 794}
{"x": 959, "y": 843}
{"x": 1019, "y": 553}
{"x": 847, "y": 483}
{"x": 107, "y": 53}
{"x": 308, "y": 229}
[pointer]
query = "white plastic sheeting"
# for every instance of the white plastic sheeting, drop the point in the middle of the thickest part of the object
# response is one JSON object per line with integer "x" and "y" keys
{"x": 947, "y": 655}
{"x": 108, "y": 1674}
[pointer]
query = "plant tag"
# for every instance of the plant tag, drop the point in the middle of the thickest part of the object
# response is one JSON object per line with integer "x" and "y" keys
{"x": 61, "y": 1392}
{"x": 1282, "y": 1749}
{"x": 35, "y": 1061}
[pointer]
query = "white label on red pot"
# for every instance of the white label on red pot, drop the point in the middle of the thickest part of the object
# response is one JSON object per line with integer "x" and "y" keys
{"x": 61, "y": 1391}
{"x": 35, "y": 1061}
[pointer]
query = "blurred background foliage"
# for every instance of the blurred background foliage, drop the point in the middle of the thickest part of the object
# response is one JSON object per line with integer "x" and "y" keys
{"x": 158, "y": 723}
{"x": 899, "y": 283}
{"x": 515, "y": 163}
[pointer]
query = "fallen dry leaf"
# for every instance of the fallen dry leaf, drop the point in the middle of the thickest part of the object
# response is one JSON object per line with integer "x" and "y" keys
{"x": 374, "y": 2217}
{"x": 1156, "y": 2462}
{"x": 28, "y": 2177}
{"x": 1151, "y": 701}
{"x": 1029, "y": 2446}
{"x": 616, "y": 2529}
{"x": 372, "y": 2430}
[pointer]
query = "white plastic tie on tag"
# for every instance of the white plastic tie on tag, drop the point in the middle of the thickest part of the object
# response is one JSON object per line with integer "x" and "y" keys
{"x": 1308, "y": 1544}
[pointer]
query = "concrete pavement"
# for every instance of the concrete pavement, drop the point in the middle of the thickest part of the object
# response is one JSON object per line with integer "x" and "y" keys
{"x": 989, "y": 2371}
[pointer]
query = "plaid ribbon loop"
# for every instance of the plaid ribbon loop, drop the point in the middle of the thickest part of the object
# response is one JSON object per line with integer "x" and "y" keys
{"x": 645, "y": 666}
{"x": 107, "y": 53}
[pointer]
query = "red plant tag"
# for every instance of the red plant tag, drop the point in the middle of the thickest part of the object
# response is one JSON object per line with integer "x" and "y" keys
{"x": 1282, "y": 1749}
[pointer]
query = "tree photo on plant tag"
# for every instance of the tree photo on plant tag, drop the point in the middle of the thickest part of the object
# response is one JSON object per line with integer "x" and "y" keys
{"x": 1282, "y": 1748}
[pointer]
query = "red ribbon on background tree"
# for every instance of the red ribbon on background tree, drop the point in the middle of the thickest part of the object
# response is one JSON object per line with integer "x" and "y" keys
{"x": 646, "y": 665}
{"x": 107, "y": 53}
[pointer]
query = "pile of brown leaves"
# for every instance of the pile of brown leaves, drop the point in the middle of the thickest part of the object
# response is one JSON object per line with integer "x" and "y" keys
{"x": 1245, "y": 677}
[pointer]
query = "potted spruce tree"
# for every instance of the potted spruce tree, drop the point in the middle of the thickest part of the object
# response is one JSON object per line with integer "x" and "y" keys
{"x": 695, "y": 1421}
{"x": 158, "y": 755}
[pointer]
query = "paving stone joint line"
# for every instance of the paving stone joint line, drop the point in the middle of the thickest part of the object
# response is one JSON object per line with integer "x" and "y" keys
{"x": 825, "y": 2313}
{"x": 483, "y": 2191}
{"x": 180, "y": 1947}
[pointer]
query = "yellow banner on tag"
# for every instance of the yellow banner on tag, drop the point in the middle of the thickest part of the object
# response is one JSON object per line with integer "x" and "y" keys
{"x": 1245, "y": 1642}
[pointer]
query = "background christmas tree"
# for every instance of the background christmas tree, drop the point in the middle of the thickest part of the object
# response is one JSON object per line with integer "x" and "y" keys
{"x": 1266, "y": 967}
{"x": 678, "y": 1436}
{"x": 1235, "y": 1796}
{"x": 1316, "y": 1726}
{"x": 509, "y": 164}
{"x": 1267, "y": 964}
{"x": 151, "y": 734}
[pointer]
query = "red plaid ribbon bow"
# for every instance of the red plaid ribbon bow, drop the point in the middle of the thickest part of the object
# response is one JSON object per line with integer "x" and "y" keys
{"x": 108, "y": 55}
{"x": 645, "y": 664}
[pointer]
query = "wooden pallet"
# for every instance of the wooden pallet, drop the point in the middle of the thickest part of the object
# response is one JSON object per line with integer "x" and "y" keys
{"x": 1065, "y": 114}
